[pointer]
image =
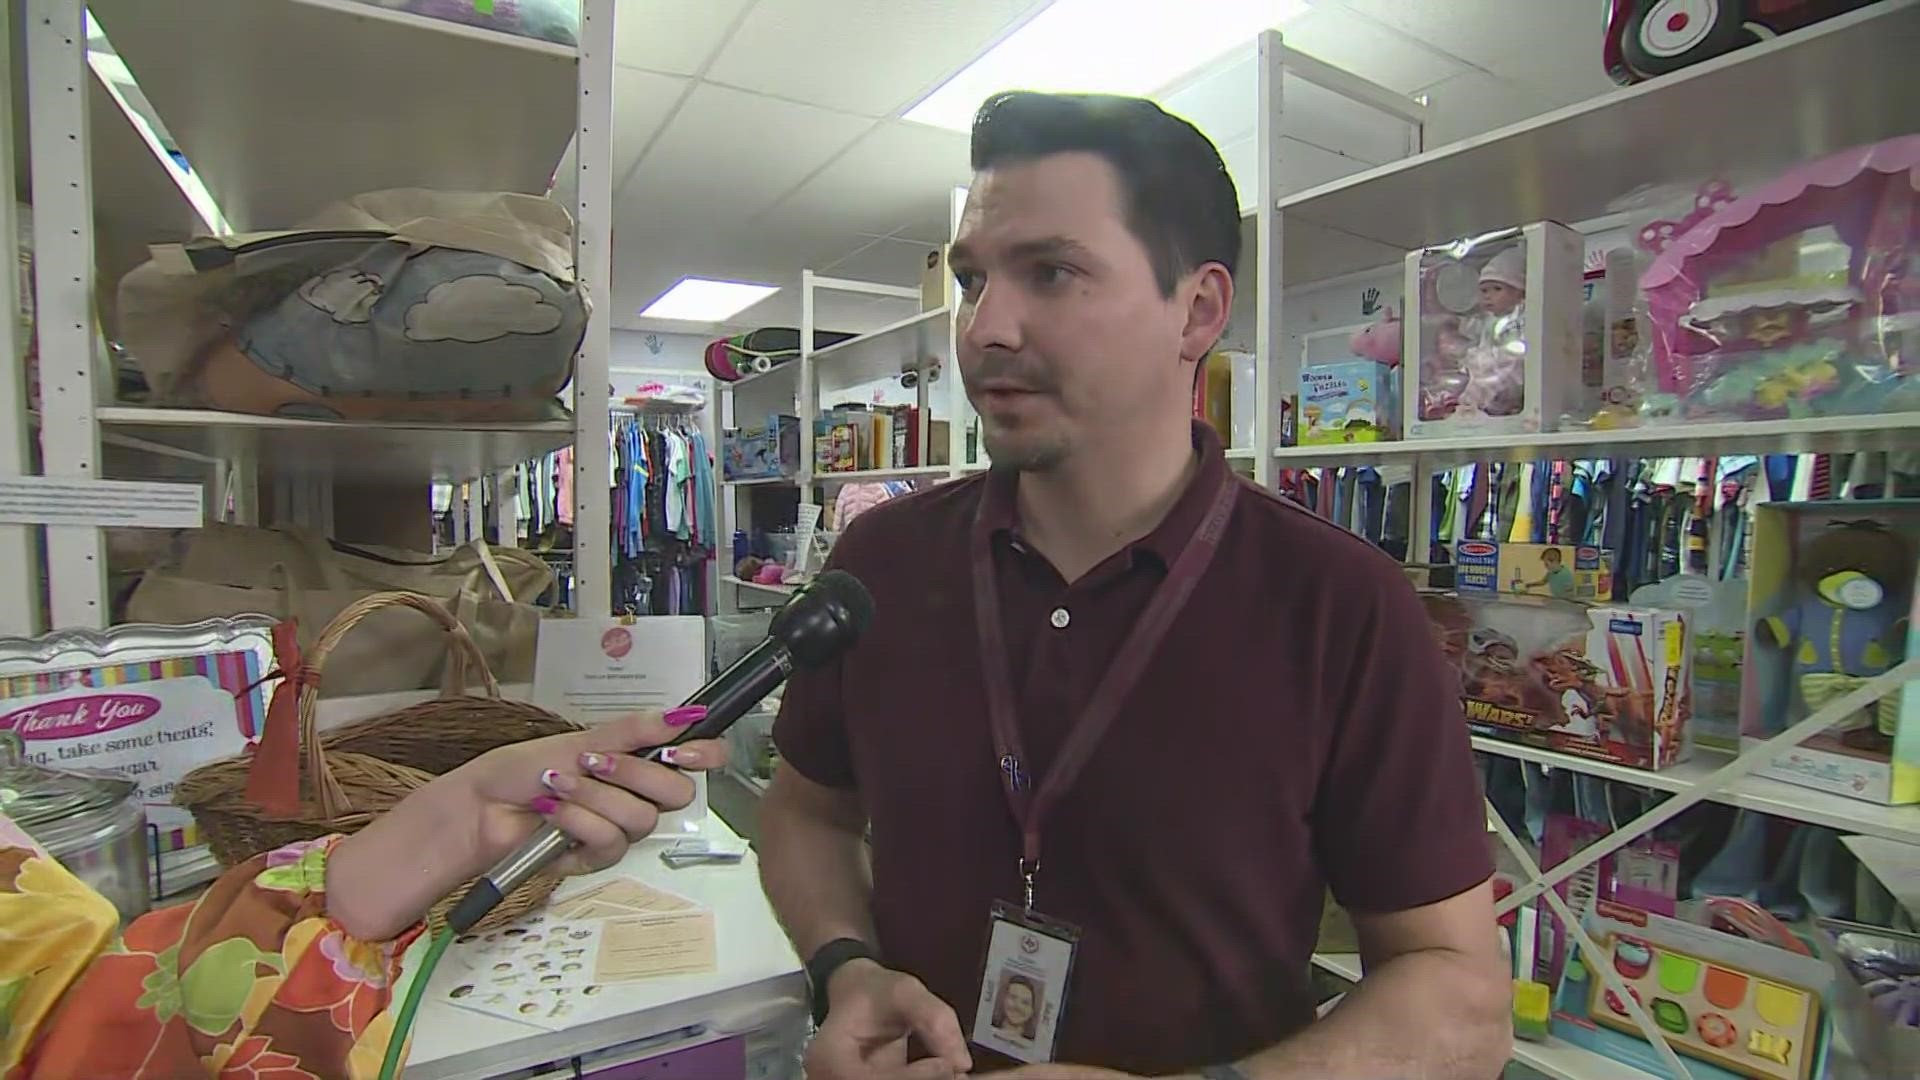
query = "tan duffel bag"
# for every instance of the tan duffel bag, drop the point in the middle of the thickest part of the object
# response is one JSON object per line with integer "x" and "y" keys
{"x": 293, "y": 573}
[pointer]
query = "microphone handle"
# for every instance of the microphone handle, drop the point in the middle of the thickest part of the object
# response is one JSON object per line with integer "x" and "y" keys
{"x": 731, "y": 695}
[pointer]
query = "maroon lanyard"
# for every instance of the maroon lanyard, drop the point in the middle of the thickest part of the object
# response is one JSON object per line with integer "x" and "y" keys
{"x": 1028, "y": 803}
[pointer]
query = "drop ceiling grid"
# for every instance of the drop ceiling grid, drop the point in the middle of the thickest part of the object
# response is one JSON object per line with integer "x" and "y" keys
{"x": 884, "y": 181}
{"x": 884, "y": 54}
{"x": 673, "y": 37}
{"x": 728, "y": 154}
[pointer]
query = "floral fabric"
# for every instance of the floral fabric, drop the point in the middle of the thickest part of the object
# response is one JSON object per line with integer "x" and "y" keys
{"x": 250, "y": 980}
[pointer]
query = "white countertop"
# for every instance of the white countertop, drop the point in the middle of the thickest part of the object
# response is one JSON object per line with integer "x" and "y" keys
{"x": 759, "y": 980}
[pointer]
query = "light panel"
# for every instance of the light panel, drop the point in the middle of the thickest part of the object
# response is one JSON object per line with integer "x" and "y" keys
{"x": 1102, "y": 46}
{"x": 706, "y": 300}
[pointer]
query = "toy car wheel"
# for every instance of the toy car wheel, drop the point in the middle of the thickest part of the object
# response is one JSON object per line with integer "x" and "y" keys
{"x": 1667, "y": 35}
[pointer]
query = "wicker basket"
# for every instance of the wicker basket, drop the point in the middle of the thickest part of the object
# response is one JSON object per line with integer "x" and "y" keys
{"x": 353, "y": 774}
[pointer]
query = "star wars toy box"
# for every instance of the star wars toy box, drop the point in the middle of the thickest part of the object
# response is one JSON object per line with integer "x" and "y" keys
{"x": 1830, "y": 605}
{"x": 1610, "y": 682}
{"x": 1560, "y": 571}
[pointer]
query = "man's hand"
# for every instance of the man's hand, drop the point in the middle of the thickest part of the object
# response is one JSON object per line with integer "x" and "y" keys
{"x": 873, "y": 1013}
{"x": 1070, "y": 1073}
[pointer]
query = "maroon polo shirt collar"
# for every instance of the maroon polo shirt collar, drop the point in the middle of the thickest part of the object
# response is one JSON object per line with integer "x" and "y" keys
{"x": 1000, "y": 510}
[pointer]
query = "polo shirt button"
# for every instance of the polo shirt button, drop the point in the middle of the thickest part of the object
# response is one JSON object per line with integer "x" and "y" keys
{"x": 1060, "y": 618}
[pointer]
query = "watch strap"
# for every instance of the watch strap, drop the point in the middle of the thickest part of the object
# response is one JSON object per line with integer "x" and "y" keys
{"x": 1222, "y": 1072}
{"x": 826, "y": 960}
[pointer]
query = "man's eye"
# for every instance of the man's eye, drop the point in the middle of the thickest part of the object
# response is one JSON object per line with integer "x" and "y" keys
{"x": 1050, "y": 274}
{"x": 968, "y": 280}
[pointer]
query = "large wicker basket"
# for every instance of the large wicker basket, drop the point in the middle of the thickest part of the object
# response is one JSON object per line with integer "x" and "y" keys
{"x": 351, "y": 775}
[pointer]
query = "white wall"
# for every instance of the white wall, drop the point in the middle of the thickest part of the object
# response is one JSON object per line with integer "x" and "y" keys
{"x": 636, "y": 349}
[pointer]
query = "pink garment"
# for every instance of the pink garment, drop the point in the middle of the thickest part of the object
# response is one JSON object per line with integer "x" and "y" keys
{"x": 565, "y": 486}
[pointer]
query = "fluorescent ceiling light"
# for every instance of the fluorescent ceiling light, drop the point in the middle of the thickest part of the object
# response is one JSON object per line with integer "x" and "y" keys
{"x": 1103, "y": 46}
{"x": 705, "y": 300}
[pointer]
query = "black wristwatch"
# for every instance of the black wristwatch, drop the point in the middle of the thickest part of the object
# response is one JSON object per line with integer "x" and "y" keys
{"x": 827, "y": 960}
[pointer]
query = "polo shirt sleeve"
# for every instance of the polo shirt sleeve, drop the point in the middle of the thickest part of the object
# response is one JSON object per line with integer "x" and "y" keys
{"x": 811, "y": 730}
{"x": 1399, "y": 820}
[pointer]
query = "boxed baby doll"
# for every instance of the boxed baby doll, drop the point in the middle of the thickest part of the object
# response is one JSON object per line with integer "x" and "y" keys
{"x": 1609, "y": 683}
{"x": 1830, "y": 601}
{"x": 1493, "y": 342}
{"x": 1562, "y": 571}
{"x": 1347, "y": 401}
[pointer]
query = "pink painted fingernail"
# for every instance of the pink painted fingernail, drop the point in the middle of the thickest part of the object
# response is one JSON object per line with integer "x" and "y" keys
{"x": 551, "y": 780}
{"x": 544, "y": 805}
{"x": 682, "y": 715}
{"x": 679, "y": 755}
{"x": 596, "y": 763}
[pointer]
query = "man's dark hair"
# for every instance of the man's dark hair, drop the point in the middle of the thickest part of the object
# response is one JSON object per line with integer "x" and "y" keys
{"x": 1180, "y": 201}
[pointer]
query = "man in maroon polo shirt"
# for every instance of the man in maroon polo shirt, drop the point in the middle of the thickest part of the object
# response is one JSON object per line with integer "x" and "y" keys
{"x": 1121, "y": 717}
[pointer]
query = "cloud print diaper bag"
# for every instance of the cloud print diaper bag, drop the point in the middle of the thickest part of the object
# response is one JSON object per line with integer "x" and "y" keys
{"x": 402, "y": 305}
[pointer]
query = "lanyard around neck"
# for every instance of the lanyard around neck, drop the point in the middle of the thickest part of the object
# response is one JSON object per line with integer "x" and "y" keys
{"x": 1030, "y": 803}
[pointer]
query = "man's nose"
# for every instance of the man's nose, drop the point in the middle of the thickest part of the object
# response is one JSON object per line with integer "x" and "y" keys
{"x": 992, "y": 320}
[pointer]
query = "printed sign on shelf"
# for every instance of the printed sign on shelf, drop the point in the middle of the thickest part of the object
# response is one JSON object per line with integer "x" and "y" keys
{"x": 59, "y": 500}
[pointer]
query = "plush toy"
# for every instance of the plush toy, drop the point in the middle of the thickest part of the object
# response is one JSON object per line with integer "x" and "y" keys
{"x": 1379, "y": 340}
{"x": 1846, "y": 622}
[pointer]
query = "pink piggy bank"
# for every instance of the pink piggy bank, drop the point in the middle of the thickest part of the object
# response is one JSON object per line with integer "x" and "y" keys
{"x": 1379, "y": 340}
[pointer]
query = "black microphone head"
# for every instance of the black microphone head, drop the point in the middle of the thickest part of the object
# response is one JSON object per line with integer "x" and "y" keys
{"x": 824, "y": 619}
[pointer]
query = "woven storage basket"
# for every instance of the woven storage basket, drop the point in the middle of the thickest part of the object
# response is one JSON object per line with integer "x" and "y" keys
{"x": 353, "y": 774}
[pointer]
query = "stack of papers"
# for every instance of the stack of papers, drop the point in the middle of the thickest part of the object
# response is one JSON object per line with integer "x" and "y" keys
{"x": 552, "y": 967}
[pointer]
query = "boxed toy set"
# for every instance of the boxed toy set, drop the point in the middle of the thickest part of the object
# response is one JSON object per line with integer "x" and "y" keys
{"x": 1349, "y": 401}
{"x": 768, "y": 451}
{"x": 1831, "y": 601}
{"x": 1561, "y": 571}
{"x": 1610, "y": 683}
{"x": 1493, "y": 342}
{"x": 1732, "y": 1007}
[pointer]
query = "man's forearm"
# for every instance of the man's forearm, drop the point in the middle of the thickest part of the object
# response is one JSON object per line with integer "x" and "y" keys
{"x": 815, "y": 872}
{"x": 1426, "y": 1015}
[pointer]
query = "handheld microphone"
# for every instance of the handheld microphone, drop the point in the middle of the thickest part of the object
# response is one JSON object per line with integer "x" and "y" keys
{"x": 822, "y": 621}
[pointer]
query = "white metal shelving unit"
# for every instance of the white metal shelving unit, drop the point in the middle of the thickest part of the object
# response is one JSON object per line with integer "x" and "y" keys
{"x": 1845, "y": 81}
{"x": 253, "y": 95}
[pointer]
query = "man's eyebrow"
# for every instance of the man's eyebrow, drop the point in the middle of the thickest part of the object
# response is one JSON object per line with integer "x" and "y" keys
{"x": 1040, "y": 248}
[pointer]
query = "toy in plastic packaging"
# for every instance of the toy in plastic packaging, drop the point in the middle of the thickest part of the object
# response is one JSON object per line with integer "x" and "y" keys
{"x": 1877, "y": 993}
{"x": 1495, "y": 339}
{"x": 1798, "y": 298}
{"x": 557, "y": 21}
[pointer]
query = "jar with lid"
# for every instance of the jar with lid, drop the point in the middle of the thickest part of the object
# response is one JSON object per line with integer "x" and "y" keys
{"x": 92, "y": 822}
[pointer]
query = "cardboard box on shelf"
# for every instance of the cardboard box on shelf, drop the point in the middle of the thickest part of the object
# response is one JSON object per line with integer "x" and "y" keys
{"x": 1561, "y": 571}
{"x": 1830, "y": 604}
{"x": 1493, "y": 344}
{"x": 762, "y": 451}
{"x": 1349, "y": 401}
{"x": 1611, "y": 683}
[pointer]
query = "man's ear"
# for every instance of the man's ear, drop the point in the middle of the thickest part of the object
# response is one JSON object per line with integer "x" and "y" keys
{"x": 1209, "y": 299}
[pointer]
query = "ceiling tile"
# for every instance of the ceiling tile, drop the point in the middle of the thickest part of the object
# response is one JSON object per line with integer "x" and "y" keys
{"x": 887, "y": 261}
{"x": 897, "y": 174}
{"x": 726, "y": 155}
{"x": 871, "y": 57}
{"x": 1370, "y": 50}
{"x": 641, "y": 102}
{"x": 674, "y": 36}
{"x": 1467, "y": 105}
{"x": 1476, "y": 31}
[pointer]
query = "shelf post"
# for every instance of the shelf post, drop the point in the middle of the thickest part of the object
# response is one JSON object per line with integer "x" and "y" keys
{"x": 57, "y": 92}
{"x": 1271, "y": 384}
{"x": 593, "y": 266}
{"x": 20, "y": 613}
{"x": 809, "y": 392}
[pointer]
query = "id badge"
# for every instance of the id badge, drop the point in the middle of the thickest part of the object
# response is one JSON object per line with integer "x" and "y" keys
{"x": 1023, "y": 987}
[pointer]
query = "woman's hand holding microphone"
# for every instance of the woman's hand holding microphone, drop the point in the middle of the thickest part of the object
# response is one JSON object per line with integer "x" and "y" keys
{"x": 588, "y": 784}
